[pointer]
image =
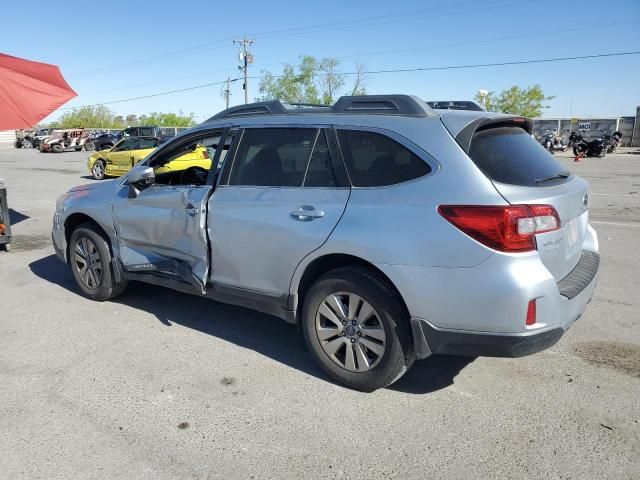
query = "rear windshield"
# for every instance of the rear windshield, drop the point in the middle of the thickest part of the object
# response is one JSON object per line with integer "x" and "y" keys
{"x": 510, "y": 155}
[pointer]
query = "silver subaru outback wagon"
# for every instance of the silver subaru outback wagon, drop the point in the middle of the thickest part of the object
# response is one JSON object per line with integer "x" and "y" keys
{"x": 387, "y": 230}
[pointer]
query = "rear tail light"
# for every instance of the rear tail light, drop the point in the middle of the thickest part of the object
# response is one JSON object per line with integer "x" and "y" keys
{"x": 510, "y": 228}
{"x": 1, "y": 228}
{"x": 205, "y": 154}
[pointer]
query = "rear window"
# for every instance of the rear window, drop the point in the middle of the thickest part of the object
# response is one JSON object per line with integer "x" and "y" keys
{"x": 510, "y": 155}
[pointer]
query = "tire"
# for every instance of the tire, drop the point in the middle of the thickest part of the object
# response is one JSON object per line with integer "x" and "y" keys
{"x": 78, "y": 149}
{"x": 88, "y": 146}
{"x": 98, "y": 170}
{"x": 97, "y": 281}
{"x": 57, "y": 148}
{"x": 27, "y": 144}
{"x": 6, "y": 247}
{"x": 392, "y": 355}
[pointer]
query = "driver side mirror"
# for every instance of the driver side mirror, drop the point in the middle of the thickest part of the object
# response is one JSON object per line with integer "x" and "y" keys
{"x": 139, "y": 179}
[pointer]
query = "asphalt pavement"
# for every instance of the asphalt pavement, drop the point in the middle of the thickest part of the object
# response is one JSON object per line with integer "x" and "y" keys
{"x": 159, "y": 384}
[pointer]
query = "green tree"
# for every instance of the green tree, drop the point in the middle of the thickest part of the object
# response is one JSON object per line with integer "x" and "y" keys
{"x": 527, "y": 102}
{"x": 167, "y": 119}
{"x": 98, "y": 116}
{"x": 310, "y": 81}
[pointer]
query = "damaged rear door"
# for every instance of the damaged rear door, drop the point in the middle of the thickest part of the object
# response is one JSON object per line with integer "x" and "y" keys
{"x": 161, "y": 229}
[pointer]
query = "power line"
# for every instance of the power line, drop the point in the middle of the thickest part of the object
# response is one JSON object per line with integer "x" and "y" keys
{"x": 384, "y": 71}
{"x": 317, "y": 28}
{"x": 195, "y": 87}
{"x": 386, "y": 52}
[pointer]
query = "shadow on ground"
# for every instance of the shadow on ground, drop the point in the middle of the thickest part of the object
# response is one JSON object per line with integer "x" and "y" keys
{"x": 16, "y": 217}
{"x": 261, "y": 333}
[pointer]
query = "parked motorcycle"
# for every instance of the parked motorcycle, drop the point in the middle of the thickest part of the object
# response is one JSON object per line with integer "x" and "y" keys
{"x": 595, "y": 146}
{"x": 552, "y": 142}
{"x": 614, "y": 141}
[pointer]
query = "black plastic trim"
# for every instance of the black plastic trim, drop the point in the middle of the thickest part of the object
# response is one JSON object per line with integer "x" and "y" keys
{"x": 581, "y": 275}
{"x": 466, "y": 134}
{"x": 269, "y": 304}
{"x": 365, "y": 104}
{"x": 481, "y": 345}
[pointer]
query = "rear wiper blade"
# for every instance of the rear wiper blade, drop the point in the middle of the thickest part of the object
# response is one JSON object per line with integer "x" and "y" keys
{"x": 557, "y": 176}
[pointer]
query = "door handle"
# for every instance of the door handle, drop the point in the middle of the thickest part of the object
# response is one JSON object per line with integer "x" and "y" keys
{"x": 191, "y": 210}
{"x": 306, "y": 213}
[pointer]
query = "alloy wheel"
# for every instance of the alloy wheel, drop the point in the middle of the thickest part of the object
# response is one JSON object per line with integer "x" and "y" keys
{"x": 87, "y": 262}
{"x": 98, "y": 170}
{"x": 350, "y": 331}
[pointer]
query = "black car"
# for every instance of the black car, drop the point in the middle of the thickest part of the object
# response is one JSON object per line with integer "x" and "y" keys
{"x": 108, "y": 140}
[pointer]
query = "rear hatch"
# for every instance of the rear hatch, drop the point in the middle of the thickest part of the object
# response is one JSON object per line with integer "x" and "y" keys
{"x": 523, "y": 172}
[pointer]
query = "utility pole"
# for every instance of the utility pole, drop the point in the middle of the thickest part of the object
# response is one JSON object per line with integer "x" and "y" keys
{"x": 226, "y": 92}
{"x": 246, "y": 59}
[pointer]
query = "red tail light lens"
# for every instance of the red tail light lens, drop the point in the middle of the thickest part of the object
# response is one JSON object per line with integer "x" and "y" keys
{"x": 510, "y": 228}
{"x": 205, "y": 153}
{"x": 530, "y": 319}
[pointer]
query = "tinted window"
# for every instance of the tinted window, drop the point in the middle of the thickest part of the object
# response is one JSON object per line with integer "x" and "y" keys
{"x": 320, "y": 172}
{"x": 510, "y": 155}
{"x": 272, "y": 157}
{"x": 145, "y": 131}
{"x": 128, "y": 144}
{"x": 144, "y": 143}
{"x": 374, "y": 160}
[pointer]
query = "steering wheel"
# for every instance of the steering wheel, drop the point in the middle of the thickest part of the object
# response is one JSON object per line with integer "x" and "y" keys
{"x": 193, "y": 176}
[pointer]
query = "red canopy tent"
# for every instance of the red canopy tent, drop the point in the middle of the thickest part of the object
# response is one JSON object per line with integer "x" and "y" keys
{"x": 29, "y": 91}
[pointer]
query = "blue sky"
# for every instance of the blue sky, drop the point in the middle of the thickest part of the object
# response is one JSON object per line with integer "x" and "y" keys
{"x": 114, "y": 51}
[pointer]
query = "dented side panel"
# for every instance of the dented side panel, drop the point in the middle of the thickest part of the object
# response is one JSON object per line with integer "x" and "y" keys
{"x": 163, "y": 230}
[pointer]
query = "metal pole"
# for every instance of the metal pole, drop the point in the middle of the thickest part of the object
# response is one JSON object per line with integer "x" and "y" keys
{"x": 246, "y": 86}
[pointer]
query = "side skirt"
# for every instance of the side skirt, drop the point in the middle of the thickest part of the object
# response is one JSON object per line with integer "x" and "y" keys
{"x": 271, "y": 305}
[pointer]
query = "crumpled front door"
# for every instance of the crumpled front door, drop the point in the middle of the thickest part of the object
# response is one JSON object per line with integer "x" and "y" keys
{"x": 163, "y": 231}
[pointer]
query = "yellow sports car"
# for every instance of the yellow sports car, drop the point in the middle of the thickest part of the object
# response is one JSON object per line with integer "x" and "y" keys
{"x": 119, "y": 159}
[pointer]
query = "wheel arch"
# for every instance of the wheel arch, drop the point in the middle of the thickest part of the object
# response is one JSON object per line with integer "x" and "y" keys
{"x": 325, "y": 263}
{"x": 74, "y": 220}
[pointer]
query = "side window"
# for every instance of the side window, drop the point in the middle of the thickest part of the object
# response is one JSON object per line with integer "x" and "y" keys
{"x": 375, "y": 160}
{"x": 320, "y": 172}
{"x": 145, "y": 131}
{"x": 272, "y": 157}
{"x": 144, "y": 143}
{"x": 128, "y": 144}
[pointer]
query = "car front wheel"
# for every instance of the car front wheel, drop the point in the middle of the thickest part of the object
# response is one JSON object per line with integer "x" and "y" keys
{"x": 356, "y": 328}
{"x": 90, "y": 261}
{"x": 98, "y": 170}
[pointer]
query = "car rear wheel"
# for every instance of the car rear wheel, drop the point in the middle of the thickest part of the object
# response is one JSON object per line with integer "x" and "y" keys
{"x": 90, "y": 261}
{"x": 27, "y": 144}
{"x": 56, "y": 147}
{"x": 98, "y": 170}
{"x": 88, "y": 146}
{"x": 357, "y": 329}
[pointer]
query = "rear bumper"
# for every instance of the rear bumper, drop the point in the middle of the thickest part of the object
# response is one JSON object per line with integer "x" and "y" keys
{"x": 430, "y": 340}
{"x": 575, "y": 291}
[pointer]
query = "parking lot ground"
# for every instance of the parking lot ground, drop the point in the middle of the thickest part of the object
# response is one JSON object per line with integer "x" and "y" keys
{"x": 160, "y": 384}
